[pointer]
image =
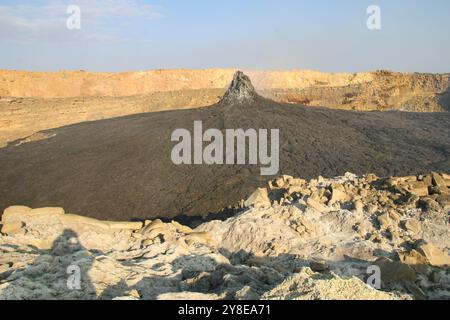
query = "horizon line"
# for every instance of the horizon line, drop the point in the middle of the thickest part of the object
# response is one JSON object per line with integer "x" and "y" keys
{"x": 218, "y": 68}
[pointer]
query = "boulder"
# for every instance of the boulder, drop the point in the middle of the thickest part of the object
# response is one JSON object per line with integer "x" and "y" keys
{"x": 417, "y": 188}
{"x": 413, "y": 226}
{"x": 295, "y": 189}
{"x": 438, "y": 180}
{"x": 14, "y": 217}
{"x": 427, "y": 179}
{"x": 316, "y": 205}
{"x": 156, "y": 229}
{"x": 285, "y": 181}
{"x": 198, "y": 238}
{"x": 278, "y": 183}
{"x": 412, "y": 257}
{"x": 259, "y": 198}
{"x": 76, "y": 221}
{"x": 14, "y": 213}
{"x": 11, "y": 228}
{"x": 435, "y": 256}
{"x": 133, "y": 226}
{"x": 393, "y": 271}
{"x": 49, "y": 211}
{"x": 297, "y": 182}
{"x": 338, "y": 194}
{"x": 181, "y": 228}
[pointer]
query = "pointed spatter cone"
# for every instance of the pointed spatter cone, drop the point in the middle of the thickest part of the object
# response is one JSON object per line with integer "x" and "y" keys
{"x": 240, "y": 90}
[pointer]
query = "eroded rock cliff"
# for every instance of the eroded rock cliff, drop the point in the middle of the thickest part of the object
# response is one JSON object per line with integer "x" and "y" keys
{"x": 34, "y": 101}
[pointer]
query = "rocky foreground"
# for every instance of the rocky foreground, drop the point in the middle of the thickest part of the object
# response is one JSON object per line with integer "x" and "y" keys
{"x": 296, "y": 239}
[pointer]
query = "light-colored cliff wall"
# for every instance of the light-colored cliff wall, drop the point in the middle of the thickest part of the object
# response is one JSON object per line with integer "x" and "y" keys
{"x": 86, "y": 84}
{"x": 34, "y": 101}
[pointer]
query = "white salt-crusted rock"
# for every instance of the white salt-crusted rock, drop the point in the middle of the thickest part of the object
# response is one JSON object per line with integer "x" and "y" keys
{"x": 262, "y": 253}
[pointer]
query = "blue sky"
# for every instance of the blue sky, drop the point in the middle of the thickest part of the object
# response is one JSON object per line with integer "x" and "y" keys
{"x": 325, "y": 35}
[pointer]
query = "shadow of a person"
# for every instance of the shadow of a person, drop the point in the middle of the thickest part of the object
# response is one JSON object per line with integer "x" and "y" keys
{"x": 75, "y": 265}
{"x": 61, "y": 272}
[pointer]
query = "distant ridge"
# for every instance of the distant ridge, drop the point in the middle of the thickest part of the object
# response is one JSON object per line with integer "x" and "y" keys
{"x": 379, "y": 90}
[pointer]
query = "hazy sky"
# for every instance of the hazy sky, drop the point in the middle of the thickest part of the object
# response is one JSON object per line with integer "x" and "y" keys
{"x": 326, "y": 35}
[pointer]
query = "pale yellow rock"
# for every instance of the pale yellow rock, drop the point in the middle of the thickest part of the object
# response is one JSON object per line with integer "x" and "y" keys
{"x": 21, "y": 213}
{"x": 297, "y": 182}
{"x": 413, "y": 226}
{"x": 371, "y": 177}
{"x": 279, "y": 183}
{"x": 338, "y": 194}
{"x": 294, "y": 189}
{"x": 418, "y": 188}
{"x": 410, "y": 179}
{"x": 306, "y": 226}
{"x": 325, "y": 287}
{"x": 11, "y": 228}
{"x": 198, "y": 237}
{"x": 316, "y": 205}
{"x": 385, "y": 221}
{"x": 359, "y": 206}
{"x": 147, "y": 222}
{"x": 412, "y": 258}
{"x": 427, "y": 179}
{"x": 435, "y": 256}
{"x": 105, "y": 225}
{"x": 153, "y": 225}
{"x": 47, "y": 211}
{"x": 258, "y": 198}
{"x": 371, "y": 208}
{"x": 125, "y": 225}
{"x": 438, "y": 180}
{"x": 14, "y": 213}
{"x": 156, "y": 229}
{"x": 287, "y": 179}
{"x": 181, "y": 228}
{"x": 159, "y": 231}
